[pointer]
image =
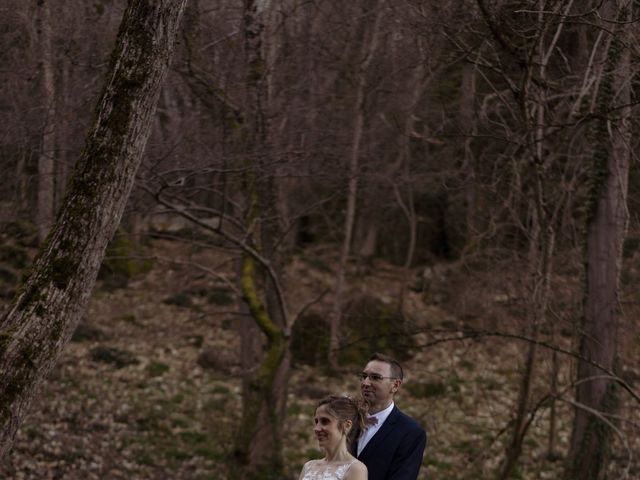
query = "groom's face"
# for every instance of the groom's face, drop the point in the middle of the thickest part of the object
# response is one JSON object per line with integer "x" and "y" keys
{"x": 378, "y": 388}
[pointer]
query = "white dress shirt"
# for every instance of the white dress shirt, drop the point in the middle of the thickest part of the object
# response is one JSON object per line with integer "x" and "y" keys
{"x": 371, "y": 430}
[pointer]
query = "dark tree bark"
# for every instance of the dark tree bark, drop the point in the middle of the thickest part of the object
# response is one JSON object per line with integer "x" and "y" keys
{"x": 596, "y": 396}
{"x": 46, "y": 310}
{"x": 46, "y": 179}
{"x": 258, "y": 449}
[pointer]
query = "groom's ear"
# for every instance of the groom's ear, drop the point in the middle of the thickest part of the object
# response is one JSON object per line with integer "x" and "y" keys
{"x": 397, "y": 383}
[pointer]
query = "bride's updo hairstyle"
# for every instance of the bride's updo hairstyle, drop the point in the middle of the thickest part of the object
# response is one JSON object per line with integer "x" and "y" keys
{"x": 345, "y": 408}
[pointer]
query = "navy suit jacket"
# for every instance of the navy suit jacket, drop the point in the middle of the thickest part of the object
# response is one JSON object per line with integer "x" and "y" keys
{"x": 395, "y": 452}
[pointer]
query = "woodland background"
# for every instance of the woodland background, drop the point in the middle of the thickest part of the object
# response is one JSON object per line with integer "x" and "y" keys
{"x": 451, "y": 182}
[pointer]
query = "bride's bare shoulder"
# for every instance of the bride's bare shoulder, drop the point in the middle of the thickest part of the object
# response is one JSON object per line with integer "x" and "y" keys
{"x": 357, "y": 471}
{"x": 308, "y": 470}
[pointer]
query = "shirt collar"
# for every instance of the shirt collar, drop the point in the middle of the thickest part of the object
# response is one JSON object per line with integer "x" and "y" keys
{"x": 383, "y": 414}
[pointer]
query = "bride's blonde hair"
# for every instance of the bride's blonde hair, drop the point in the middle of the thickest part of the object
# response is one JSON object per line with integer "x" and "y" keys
{"x": 346, "y": 408}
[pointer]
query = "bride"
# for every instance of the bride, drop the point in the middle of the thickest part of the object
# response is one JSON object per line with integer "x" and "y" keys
{"x": 338, "y": 421}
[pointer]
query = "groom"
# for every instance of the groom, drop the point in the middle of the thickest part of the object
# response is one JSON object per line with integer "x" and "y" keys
{"x": 392, "y": 444}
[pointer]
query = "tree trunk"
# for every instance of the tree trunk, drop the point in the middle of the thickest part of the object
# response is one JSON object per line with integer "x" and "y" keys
{"x": 22, "y": 181}
{"x": 403, "y": 165}
{"x": 48, "y": 306}
{"x": 590, "y": 447}
{"x": 368, "y": 50}
{"x": 259, "y": 445}
{"x": 469, "y": 130}
{"x": 63, "y": 134}
{"x": 368, "y": 240}
{"x": 258, "y": 448}
{"x": 46, "y": 183}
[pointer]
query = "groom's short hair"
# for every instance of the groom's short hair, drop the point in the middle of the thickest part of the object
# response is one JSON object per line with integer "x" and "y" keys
{"x": 396, "y": 368}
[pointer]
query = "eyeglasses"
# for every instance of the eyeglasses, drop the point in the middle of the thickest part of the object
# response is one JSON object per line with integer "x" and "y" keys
{"x": 374, "y": 377}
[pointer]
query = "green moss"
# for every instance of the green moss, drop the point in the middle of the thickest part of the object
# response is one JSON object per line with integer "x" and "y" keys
{"x": 32, "y": 433}
{"x": 294, "y": 409}
{"x": 258, "y": 392}
{"x": 209, "y": 452}
{"x": 118, "y": 358}
{"x": 179, "y": 299}
{"x": 440, "y": 465}
{"x": 599, "y": 132}
{"x": 27, "y": 356}
{"x": 31, "y": 294}
{"x": 257, "y": 71}
{"x": 19, "y": 379}
{"x": 466, "y": 364}
{"x": 5, "y": 339}
{"x": 252, "y": 298}
{"x": 269, "y": 470}
{"x": 426, "y": 390}
{"x": 370, "y": 325}
{"x": 128, "y": 318}
{"x": 156, "y": 369}
{"x": 120, "y": 259}
{"x": 193, "y": 438}
{"x": 221, "y": 389}
{"x": 313, "y": 453}
{"x": 176, "y": 453}
{"x": 62, "y": 270}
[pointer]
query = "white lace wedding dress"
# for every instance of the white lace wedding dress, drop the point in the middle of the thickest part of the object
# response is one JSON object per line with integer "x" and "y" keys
{"x": 323, "y": 470}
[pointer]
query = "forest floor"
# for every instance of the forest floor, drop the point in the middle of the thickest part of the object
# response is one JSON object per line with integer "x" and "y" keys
{"x": 149, "y": 388}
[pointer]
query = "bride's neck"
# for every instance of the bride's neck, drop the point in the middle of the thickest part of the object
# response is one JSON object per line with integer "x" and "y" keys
{"x": 338, "y": 454}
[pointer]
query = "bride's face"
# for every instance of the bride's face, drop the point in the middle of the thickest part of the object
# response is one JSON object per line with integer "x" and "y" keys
{"x": 326, "y": 429}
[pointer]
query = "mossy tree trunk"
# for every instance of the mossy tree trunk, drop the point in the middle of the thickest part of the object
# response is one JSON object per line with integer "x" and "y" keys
{"x": 259, "y": 442}
{"x": 596, "y": 396}
{"x": 256, "y": 233}
{"x": 48, "y": 306}
{"x": 258, "y": 449}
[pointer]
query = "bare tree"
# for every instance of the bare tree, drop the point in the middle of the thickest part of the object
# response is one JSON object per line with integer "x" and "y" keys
{"x": 543, "y": 174}
{"x": 259, "y": 442}
{"x": 46, "y": 310}
{"x": 239, "y": 187}
{"x": 596, "y": 393}
{"x": 369, "y": 46}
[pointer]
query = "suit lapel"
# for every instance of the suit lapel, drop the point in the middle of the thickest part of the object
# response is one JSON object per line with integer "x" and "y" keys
{"x": 378, "y": 439}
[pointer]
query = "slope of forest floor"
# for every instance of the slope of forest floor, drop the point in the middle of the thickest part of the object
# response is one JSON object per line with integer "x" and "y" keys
{"x": 149, "y": 388}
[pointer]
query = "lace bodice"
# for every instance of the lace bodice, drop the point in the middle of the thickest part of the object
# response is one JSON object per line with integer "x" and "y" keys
{"x": 322, "y": 470}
